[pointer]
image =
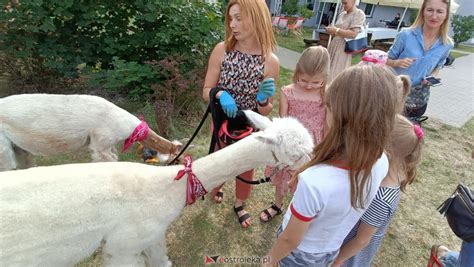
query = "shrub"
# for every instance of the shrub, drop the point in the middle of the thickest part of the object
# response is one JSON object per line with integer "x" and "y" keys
{"x": 129, "y": 47}
{"x": 463, "y": 28}
{"x": 305, "y": 12}
{"x": 177, "y": 93}
{"x": 290, "y": 7}
{"x": 58, "y": 35}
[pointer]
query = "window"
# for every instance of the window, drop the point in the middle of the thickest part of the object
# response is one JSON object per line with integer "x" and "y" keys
{"x": 369, "y": 10}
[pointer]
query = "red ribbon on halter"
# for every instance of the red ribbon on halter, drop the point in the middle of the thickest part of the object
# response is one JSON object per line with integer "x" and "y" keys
{"x": 139, "y": 134}
{"x": 194, "y": 187}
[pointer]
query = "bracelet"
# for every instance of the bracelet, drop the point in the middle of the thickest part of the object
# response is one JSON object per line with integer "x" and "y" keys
{"x": 337, "y": 31}
{"x": 264, "y": 104}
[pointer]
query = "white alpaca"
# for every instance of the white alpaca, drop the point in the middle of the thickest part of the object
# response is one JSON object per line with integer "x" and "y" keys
{"x": 58, "y": 215}
{"x": 43, "y": 124}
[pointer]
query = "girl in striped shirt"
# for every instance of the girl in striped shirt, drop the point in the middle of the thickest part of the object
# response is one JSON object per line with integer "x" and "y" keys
{"x": 404, "y": 153}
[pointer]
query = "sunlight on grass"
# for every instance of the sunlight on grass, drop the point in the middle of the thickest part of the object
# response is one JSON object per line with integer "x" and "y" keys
{"x": 294, "y": 42}
{"x": 457, "y": 54}
{"x": 466, "y": 48}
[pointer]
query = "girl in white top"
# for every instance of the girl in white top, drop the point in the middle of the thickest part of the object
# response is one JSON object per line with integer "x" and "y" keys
{"x": 337, "y": 185}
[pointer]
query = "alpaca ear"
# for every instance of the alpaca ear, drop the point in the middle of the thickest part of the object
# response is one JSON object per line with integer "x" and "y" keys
{"x": 258, "y": 121}
{"x": 267, "y": 138}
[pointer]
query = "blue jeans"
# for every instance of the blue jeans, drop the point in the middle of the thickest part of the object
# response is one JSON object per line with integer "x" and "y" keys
{"x": 300, "y": 258}
{"x": 451, "y": 259}
{"x": 465, "y": 258}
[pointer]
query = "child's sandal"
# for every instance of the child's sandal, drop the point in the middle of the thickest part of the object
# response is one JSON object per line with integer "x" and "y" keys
{"x": 268, "y": 214}
{"x": 218, "y": 197}
{"x": 434, "y": 260}
{"x": 242, "y": 218}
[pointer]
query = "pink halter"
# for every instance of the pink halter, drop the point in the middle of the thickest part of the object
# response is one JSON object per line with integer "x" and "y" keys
{"x": 138, "y": 135}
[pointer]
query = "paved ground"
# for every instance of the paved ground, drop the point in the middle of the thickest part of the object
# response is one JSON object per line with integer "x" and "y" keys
{"x": 452, "y": 102}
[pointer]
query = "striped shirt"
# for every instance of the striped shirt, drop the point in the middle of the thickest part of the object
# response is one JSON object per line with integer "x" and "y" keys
{"x": 378, "y": 215}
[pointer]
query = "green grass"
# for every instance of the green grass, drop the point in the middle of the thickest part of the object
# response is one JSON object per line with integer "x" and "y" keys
{"x": 466, "y": 48}
{"x": 456, "y": 54}
{"x": 206, "y": 228}
{"x": 292, "y": 41}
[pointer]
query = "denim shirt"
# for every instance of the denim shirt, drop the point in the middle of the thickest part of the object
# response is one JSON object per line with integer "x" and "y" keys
{"x": 409, "y": 43}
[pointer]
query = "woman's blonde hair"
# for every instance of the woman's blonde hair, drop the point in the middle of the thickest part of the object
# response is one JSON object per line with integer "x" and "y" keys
{"x": 362, "y": 101}
{"x": 444, "y": 28}
{"x": 259, "y": 15}
{"x": 313, "y": 61}
{"x": 404, "y": 150}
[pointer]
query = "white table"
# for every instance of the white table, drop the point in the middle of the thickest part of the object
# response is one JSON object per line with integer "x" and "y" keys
{"x": 379, "y": 33}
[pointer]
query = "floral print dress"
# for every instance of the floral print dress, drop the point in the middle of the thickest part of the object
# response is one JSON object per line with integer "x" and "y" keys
{"x": 312, "y": 114}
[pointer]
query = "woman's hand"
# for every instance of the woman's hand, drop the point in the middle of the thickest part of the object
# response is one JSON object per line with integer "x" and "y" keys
{"x": 266, "y": 90}
{"x": 228, "y": 104}
{"x": 405, "y": 63}
{"x": 331, "y": 30}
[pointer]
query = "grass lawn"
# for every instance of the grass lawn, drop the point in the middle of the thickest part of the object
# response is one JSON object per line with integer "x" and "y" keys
{"x": 209, "y": 229}
{"x": 456, "y": 54}
{"x": 294, "y": 42}
{"x": 466, "y": 48}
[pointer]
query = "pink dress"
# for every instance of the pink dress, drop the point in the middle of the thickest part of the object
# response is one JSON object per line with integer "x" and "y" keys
{"x": 312, "y": 115}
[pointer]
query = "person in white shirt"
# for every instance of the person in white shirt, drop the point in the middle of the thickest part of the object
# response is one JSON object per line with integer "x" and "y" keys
{"x": 335, "y": 188}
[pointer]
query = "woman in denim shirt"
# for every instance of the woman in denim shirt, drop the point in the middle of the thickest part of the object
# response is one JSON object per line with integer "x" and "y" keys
{"x": 421, "y": 51}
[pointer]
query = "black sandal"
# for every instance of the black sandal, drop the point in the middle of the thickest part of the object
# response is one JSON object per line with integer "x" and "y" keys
{"x": 242, "y": 218}
{"x": 218, "y": 194}
{"x": 269, "y": 215}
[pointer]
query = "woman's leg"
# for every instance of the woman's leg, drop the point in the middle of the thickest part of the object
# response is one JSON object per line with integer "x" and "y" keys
{"x": 466, "y": 255}
{"x": 242, "y": 192}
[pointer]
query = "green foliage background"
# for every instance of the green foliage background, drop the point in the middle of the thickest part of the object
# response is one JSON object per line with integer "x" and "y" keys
{"x": 463, "y": 28}
{"x": 56, "y": 36}
{"x": 153, "y": 50}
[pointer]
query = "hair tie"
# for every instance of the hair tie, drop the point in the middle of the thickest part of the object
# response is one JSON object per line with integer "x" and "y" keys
{"x": 418, "y": 131}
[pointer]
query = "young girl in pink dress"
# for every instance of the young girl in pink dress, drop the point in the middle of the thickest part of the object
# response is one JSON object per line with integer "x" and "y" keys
{"x": 303, "y": 100}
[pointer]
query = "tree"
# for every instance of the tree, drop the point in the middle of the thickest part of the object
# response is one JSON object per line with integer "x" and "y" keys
{"x": 463, "y": 28}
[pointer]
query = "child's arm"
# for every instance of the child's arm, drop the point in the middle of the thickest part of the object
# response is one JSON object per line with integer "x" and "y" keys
{"x": 289, "y": 239}
{"x": 358, "y": 243}
{"x": 283, "y": 107}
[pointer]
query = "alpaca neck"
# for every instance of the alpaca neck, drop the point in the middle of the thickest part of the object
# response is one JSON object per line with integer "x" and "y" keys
{"x": 231, "y": 161}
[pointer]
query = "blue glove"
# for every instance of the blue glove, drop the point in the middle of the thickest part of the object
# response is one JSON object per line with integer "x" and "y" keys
{"x": 267, "y": 90}
{"x": 228, "y": 104}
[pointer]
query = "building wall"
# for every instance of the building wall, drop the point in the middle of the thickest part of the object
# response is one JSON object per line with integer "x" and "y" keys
{"x": 379, "y": 14}
{"x": 383, "y": 13}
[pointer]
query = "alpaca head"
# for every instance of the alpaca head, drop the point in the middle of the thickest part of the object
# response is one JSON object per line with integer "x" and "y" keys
{"x": 165, "y": 149}
{"x": 291, "y": 142}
